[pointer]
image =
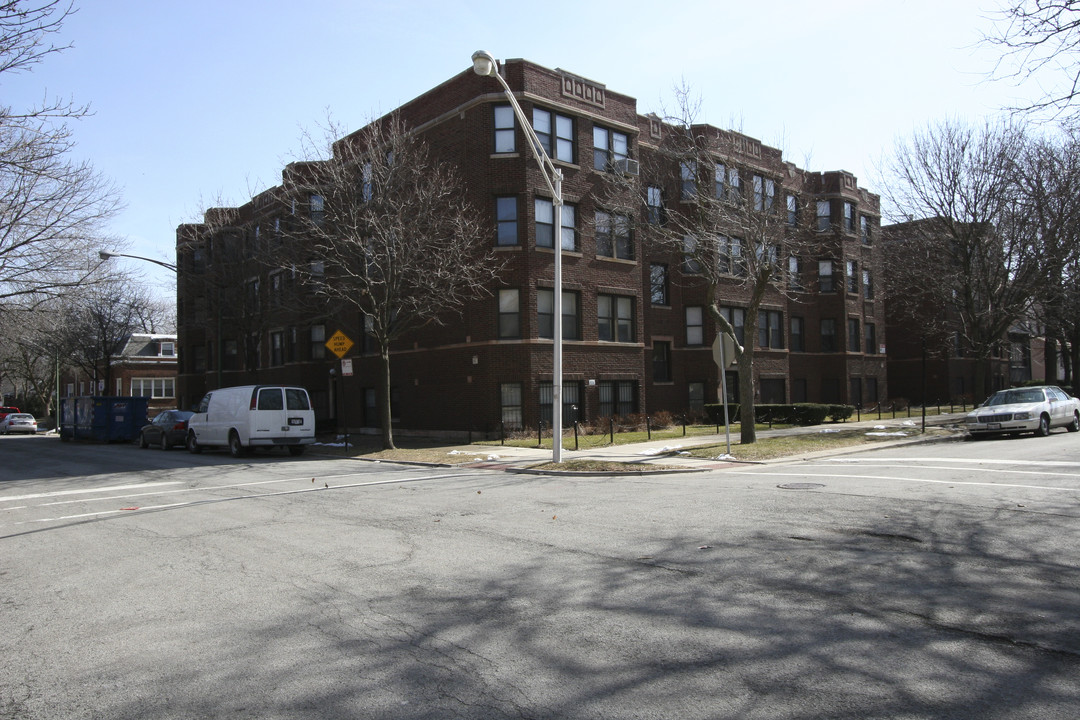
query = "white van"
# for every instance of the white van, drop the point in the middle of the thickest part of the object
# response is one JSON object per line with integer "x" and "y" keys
{"x": 253, "y": 416}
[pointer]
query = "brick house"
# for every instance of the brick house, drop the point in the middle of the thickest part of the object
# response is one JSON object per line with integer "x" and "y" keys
{"x": 146, "y": 366}
{"x": 635, "y": 337}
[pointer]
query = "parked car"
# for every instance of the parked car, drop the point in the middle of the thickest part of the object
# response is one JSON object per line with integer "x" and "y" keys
{"x": 1026, "y": 409}
{"x": 5, "y": 411}
{"x": 18, "y": 422}
{"x": 250, "y": 416}
{"x": 167, "y": 429}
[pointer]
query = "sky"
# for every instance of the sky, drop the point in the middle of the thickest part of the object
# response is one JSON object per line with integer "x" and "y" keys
{"x": 202, "y": 103}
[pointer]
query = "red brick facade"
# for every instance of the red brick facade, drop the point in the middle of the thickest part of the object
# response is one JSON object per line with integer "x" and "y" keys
{"x": 463, "y": 376}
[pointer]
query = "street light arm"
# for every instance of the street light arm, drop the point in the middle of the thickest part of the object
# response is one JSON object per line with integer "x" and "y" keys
{"x": 484, "y": 61}
{"x": 105, "y": 255}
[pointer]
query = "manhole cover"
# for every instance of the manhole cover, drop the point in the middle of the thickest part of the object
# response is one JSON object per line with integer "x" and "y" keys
{"x": 800, "y": 486}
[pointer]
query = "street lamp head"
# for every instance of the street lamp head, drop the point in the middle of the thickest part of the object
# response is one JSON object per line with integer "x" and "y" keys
{"x": 483, "y": 63}
{"x": 104, "y": 254}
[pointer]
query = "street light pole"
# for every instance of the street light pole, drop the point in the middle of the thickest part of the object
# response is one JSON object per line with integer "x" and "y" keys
{"x": 485, "y": 65}
{"x": 105, "y": 255}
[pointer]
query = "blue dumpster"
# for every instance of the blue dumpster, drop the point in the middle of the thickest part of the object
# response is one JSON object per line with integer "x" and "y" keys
{"x": 102, "y": 419}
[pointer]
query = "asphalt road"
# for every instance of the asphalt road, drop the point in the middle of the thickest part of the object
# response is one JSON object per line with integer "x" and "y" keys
{"x": 932, "y": 581}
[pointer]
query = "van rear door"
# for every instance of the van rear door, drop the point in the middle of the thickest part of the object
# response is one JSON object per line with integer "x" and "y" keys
{"x": 268, "y": 415}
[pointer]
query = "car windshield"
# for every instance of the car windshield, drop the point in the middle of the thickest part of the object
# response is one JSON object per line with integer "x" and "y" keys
{"x": 1015, "y": 397}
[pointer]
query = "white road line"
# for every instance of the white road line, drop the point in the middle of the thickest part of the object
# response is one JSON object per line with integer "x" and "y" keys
{"x": 832, "y": 476}
{"x": 963, "y": 461}
{"x": 984, "y": 471}
{"x": 209, "y": 501}
{"x": 112, "y": 488}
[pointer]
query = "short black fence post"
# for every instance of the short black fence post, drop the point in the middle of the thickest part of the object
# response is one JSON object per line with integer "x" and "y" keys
{"x": 648, "y": 427}
{"x": 540, "y": 435}
{"x": 611, "y": 427}
{"x": 575, "y": 435}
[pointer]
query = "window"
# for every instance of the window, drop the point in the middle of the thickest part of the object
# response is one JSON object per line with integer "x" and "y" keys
{"x": 317, "y": 209}
{"x": 696, "y": 397}
{"x": 545, "y": 225}
{"x": 153, "y": 387}
{"x": 167, "y": 349}
{"x": 867, "y": 285}
{"x": 617, "y": 397}
{"x": 849, "y": 217}
{"x": 506, "y": 220}
{"x": 615, "y": 318}
{"x": 545, "y": 311}
{"x": 252, "y": 293}
{"x": 695, "y": 325}
{"x": 504, "y": 129}
{"x": 864, "y": 229}
{"x": 764, "y": 193}
{"x": 771, "y": 329}
{"x": 661, "y": 361}
{"x": 854, "y": 343}
{"x": 563, "y": 136}
{"x": 734, "y": 189}
{"x": 654, "y": 203}
{"x": 828, "y": 335}
{"x": 231, "y": 359}
{"x": 792, "y": 210}
{"x": 318, "y": 342}
{"x": 798, "y": 336}
{"x": 366, "y": 189}
{"x": 870, "y": 335}
{"x": 571, "y": 402}
{"x": 730, "y": 255}
{"x": 613, "y": 236}
{"x": 510, "y": 404}
{"x": 690, "y": 264}
{"x": 658, "y": 284}
{"x": 720, "y": 181}
{"x": 794, "y": 273}
{"x": 772, "y": 390}
{"x": 609, "y": 147}
{"x": 509, "y": 314}
{"x": 688, "y": 172}
{"x": 737, "y": 318}
{"x": 824, "y": 215}
{"x": 851, "y": 270}
{"x": 825, "y": 276}
{"x": 277, "y": 348}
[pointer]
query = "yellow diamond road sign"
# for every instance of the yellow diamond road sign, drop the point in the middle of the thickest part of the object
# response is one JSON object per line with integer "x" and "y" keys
{"x": 339, "y": 343}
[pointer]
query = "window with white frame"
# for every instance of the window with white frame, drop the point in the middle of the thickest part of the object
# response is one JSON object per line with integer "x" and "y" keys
{"x": 615, "y": 318}
{"x": 545, "y": 314}
{"x": 509, "y": 314}
{"x": 688, "y": 172}
{"x": 556, "y": 134}
{"x": 824, "y": 215}
{"x": 613, "y": 236}
{"x": 153, "y": 387}
{"x": 545, "y": 225}
{"x": 695, "y": 325}
{"x": 654, "y": 203}
{"x": 609, "y": 147}
{"x": 506, "y": 220}
{"x": 504, "y": 129}
{"x": 658, "y": 284}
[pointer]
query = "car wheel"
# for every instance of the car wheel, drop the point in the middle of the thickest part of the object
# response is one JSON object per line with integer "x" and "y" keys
{"x": 193, "y": 444}
{"x": 143, "y": 442}
{"x": 1074, "y": 426}
{"x": 296, "y": 449}
{"x": 235, "y": 448}
{"x": 1044, "y": 426}
{"x": 164, "y": 445}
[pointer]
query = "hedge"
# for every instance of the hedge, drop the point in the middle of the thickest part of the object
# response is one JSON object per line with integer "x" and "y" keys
{"x": 788, "y": 414}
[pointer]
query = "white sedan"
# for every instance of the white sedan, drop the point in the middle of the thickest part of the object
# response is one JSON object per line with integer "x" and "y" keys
{"x": 1027, "y": 409}
{"x": 18, "y": 423}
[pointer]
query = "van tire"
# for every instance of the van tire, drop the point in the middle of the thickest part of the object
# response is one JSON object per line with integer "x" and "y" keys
{"x": 296, "y": 450}
{"x": 235, "y": 448}
{"x": 193, "y": 445}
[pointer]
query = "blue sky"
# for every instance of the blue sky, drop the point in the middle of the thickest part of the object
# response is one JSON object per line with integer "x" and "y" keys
{"x": 198, "y": 103}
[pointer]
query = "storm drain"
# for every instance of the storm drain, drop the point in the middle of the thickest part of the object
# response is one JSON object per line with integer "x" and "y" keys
{"x": 800, "y": 486}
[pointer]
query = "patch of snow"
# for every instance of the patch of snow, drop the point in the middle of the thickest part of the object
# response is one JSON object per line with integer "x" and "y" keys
{"x": 886, "y": 434}
{"x": 725, "y": 456}
{"x": 658, "y": 451}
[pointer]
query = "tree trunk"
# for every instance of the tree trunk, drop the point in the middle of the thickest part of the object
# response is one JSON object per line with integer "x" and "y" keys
{"x": 747, "y": 426}
{"x": 384, "y": 399}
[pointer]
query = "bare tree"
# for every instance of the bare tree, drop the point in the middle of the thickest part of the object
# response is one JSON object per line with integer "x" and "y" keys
{"x": 50, "y": 205}
{"x": 730, "y": 227}
{"x": 964, "y": 260}
{"x": 1040, "y": 40}
{"x": 394, "y": 238}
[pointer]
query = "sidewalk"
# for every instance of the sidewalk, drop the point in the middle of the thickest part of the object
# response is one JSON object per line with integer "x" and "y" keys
{"x": 664, "y": 455}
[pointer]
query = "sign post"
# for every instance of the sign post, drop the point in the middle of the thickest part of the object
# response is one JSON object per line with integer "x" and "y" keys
{"x": 339, "y": 344}
{"x": 723, "y": 349}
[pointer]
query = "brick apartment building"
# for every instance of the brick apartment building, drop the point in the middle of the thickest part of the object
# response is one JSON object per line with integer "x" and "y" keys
{"x": 145, "y": 366}
{"x": 636, "y": 337}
